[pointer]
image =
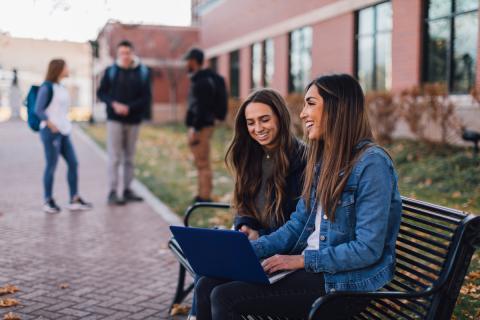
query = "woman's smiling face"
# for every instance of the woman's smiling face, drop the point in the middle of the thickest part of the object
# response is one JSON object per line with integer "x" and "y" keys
{"x": 262, "y": 124}
{"x": 312, "y": 114}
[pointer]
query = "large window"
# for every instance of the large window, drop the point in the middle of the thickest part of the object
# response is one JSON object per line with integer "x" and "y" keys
{"x": 451, "y": 29}
{"x": 257, "y": 65}
{"x": 213, "y": 63}
{"x": 268, "y": 62}
{"x": 235, "y": 74}
{"x": 262, "y": 64}
{"x": 374, "y": 47}
{"x": 300, "y": 59}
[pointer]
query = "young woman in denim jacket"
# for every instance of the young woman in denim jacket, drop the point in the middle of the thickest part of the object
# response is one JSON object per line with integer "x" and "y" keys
{"x": 342, "y": 234}
{"x": 267, "y": 163}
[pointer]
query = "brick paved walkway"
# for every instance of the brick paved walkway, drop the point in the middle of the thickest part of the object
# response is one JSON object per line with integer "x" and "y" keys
{"x": 114, "y": 260}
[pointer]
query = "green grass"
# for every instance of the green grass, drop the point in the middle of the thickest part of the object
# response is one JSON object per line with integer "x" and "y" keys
{"x": 444, "y": 175}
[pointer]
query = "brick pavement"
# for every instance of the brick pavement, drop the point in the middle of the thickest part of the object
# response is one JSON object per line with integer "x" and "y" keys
{"x": 114, "y": 260}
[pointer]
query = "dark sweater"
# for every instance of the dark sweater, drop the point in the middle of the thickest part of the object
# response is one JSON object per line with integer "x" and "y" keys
{"x": 293, "y": 192}
{"x": 200, "y": 111}
{"x": 129, "y": 88}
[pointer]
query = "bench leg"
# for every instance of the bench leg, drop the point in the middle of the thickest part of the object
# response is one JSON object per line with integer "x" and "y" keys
{"x": 181, "y": 291}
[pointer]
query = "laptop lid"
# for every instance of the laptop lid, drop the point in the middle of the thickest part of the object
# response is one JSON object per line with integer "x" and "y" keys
{"x": 224, "y": 254}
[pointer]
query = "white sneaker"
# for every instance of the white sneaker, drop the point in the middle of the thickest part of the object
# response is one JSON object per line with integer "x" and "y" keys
{"x": 51, "y": 207}
{"x": 79, "y": 205}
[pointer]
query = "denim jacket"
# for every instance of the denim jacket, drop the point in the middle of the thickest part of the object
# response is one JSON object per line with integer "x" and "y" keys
{"x": 357, "y": 249}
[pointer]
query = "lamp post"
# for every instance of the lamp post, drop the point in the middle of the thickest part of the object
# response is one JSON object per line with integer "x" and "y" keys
{"x": 94, "y": 55}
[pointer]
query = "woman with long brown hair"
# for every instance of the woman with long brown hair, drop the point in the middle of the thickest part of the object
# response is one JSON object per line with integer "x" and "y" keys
{"x": 342, "y": 234}
{"x": 51, "y": 107}
{"x": 267, "y": 163}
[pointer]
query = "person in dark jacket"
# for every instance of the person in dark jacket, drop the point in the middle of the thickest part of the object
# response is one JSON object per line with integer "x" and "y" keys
{"x": 125, "y": 88}
{"x": 200, "y": 120}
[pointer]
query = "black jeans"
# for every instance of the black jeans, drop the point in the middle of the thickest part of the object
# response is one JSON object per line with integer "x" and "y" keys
{"x": 290, "y": 297}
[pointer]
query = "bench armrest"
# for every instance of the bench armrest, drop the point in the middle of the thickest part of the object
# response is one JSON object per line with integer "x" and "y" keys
{"x": 192, "y": 208}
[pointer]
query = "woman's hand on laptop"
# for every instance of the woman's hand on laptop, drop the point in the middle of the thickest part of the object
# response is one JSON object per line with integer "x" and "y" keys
{"x": 252, "y": 234}
{"x": 283, "y": 262}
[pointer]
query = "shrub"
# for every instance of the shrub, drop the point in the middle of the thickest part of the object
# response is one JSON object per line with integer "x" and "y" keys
{"x": 383, "y": 113}
{"x": 429, "y": 107}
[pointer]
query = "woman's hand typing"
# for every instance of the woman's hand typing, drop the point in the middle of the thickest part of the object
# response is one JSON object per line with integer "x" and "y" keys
{"x": 283, "y": 262}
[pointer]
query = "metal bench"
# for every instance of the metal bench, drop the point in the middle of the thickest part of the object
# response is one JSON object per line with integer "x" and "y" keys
{"x": 434, "y": 250}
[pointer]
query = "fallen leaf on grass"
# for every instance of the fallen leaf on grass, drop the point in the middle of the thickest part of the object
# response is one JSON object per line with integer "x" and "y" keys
{"x": 472, "y": 276}
{"x": 470, "y": 289}
{"x": 179, "y": 309}
{"x": 64, "y": 286}
{"x": 8, "y": 302}
{"x": 8, "y": 289}
{"x": 456, "y": 195}
{"x": 11, "y": 316}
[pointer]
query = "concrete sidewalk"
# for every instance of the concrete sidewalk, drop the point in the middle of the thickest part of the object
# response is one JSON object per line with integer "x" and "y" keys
{"x": 113, "y": 260}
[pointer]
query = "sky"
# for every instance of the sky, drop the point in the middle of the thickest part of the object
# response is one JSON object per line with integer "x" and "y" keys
{"x": 81, "y": 20}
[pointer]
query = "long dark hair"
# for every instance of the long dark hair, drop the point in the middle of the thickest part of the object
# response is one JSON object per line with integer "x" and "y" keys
{"x": 55, "y": 68}
{"x": 346, "y": 123}
{"x": 244, "y": 159}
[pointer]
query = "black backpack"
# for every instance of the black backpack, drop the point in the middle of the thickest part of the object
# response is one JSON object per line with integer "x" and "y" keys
{"x": 220, "y": 98}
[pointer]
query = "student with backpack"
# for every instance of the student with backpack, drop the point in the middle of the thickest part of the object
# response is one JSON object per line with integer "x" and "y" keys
{"x": 50, "y": 118}
{"x": 207, "y": 102}
{"x": 125, "y": 88}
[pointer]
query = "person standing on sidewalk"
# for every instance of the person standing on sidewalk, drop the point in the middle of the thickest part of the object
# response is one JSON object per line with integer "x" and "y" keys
{"x": 51, "y": 107}
{"x": 206, "y": 102}
{"x": 125, "y": 88}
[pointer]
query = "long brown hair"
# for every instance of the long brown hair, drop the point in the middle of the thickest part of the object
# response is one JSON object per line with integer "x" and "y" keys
{"x": 345, "y": 124}
{"x": 244, "y": 159}
{"x": 55, "y": 68}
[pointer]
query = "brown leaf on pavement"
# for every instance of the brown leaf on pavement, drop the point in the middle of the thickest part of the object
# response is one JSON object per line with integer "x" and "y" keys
{"x": 179, "y": 309}
{"x": 11, "y": 316}
{"x": 8, "y": 289}
{"x": 8, "y": 302}
{"x": 64, "y": 286}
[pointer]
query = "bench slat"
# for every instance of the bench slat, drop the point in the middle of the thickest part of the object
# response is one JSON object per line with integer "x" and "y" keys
{"x": 421, "y": 247}
{"x": 419, "y": 274}
{"x": 413, "y": 281}
{"x": 428, "y": 222}
{"x": 424, "y": 267}
{"x": 418, "y": 255}
{"x": 437, "y": 208}
{"x": 433, "y": 215}
{"x": 394, "y": 310}
{"x": 427, "y": 231}
{"x": 403, "y": 286}
{"x": 424, "y": 239}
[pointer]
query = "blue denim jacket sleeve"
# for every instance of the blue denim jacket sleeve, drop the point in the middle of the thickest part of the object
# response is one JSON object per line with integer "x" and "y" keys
{"x": 372, "y": 206}
{"x": 284, "y": 238}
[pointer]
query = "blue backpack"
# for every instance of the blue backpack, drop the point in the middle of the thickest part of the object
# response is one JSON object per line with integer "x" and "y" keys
{"x": 30, "y": 102}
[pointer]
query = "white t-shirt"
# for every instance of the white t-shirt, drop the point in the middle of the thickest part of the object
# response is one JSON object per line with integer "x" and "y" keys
{"x": 57, "y": 110}
{"x": 313, "y": 241}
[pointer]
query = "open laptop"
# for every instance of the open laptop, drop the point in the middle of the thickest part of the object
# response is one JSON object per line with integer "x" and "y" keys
{"x": 224, "y": 254}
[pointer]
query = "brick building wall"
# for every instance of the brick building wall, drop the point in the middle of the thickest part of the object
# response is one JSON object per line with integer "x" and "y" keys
{"x": 228, "y": 25}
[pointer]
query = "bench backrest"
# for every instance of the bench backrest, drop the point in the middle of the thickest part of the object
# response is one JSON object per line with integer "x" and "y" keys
{"x": 434, "y": 249}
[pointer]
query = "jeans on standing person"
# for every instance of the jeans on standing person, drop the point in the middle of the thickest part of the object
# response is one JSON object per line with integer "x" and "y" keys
{"x": 121, "y": 143}
{"x": 56, "y": 144}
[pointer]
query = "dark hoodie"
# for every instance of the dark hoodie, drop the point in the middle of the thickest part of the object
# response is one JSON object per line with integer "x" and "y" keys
{"x": 128, "y": 86}
{"x": 200, "y": 111}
